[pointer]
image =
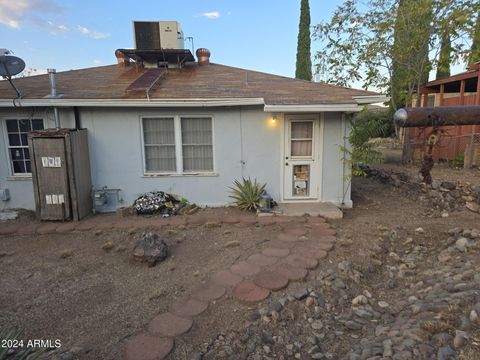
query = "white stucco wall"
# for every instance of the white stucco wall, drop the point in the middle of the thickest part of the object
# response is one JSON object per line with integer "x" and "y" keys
{"x": 245, "y": 144}
{"x": 335, "y": 182}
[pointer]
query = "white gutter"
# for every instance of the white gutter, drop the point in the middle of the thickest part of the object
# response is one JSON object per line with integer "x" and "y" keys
{"x": 313, "y": 108}
{"x": 371, "y": 99}
{"x": 61, "y": 102}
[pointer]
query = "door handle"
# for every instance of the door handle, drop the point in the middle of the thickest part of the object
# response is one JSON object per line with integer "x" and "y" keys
{"x": 286, "y": 163}
{"x": 286, "y": 157}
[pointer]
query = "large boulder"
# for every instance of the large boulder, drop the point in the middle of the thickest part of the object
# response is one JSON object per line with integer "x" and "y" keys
{"x": 150, "y": 249}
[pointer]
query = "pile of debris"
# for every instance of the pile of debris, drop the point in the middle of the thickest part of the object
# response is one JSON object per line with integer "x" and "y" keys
{"x": 441, "y": 195}
{"x": 157, "y": 202}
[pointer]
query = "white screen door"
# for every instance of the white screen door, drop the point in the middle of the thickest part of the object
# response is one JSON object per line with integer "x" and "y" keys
{"x": 300, "y": 162}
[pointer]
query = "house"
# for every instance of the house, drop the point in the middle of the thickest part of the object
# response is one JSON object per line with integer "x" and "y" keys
{"x": 187, "y": 127}
{"x": 462, "y": 89}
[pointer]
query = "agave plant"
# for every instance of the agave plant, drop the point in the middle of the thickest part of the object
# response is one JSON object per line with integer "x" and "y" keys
{"x": 247, "y": 194}
{"x": 23, "y": 353}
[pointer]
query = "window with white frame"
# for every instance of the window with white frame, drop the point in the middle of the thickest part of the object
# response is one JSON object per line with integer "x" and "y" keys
{"x": 178, "y": 144}
{"x": 17, "y": 133}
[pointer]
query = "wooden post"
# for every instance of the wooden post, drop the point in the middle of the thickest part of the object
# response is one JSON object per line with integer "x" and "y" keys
{"x": 477, "y": 98}
{"x": 442, "y": 92}
{"x": 462, "y": 92}
{"x": 468, "y": 158}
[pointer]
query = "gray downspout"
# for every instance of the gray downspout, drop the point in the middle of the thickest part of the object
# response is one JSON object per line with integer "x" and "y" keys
{"x": 76, "y": 115}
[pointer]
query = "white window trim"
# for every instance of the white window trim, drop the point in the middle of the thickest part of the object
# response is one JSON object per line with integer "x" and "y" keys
{"x": 12, "y": 174}
{"x": 178, "y": 146}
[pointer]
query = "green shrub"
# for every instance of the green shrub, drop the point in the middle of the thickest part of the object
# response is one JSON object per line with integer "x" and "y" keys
{"x": 459, "y": 160}
{"x": 247, "y": 194}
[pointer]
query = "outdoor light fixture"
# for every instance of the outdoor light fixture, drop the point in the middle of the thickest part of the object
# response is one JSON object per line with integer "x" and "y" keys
{"x": 273, "y": 120}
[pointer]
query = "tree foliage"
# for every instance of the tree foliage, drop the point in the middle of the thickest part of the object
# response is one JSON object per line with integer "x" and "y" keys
{"x": 391, "y": 45}
{"x": 443, "y": 66}
{"x": 475, "y": 49}
{"x": 304, "y": 61}
{"x": 365, "y": 125}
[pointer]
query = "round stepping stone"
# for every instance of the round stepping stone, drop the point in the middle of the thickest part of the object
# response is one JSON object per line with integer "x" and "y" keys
{"x": 196, "y": 220}
{"x": 226, "y": 278}
{"x": 208, "y": 291}
{"x": 291, "y": 272}
{"x": 321, "y": 232}
{"x": 8, "y": 230}
{"x": 231, "y": 220}
{"x": 188, "y": 307}
{"x": 276, "y": 252}
{"x": 319, "y": 245}
{"x": 248, "y": 221}
{"x": 270, "y": 280}
{"x": 175, "y": 221}
{"x": 66, "y": 228}
{"x": 287, "y": 237}
{"x": 311, "y": 252}
{"x": 248, "y": 292}
{"x": 48, "y": 228}
{"x": 261, "y": 260}
{"x": 244, "y": 269}
{"x": 266, "y": 221}
{"x": 296, "y": 231}
{"x": 147, "y": 347}
{"x": 168, "y": 324}
{"x": 301, "y": 261}
{"x": 281, "y": 244}
{"x": 84, "y": 226}
{"x": 316, "y": 220}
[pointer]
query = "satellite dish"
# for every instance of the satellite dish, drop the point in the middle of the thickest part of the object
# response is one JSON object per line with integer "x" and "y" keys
{"x": 11, "y": 65}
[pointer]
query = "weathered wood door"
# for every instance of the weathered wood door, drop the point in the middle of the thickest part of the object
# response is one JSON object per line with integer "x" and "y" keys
{"x": 53, "y": 199}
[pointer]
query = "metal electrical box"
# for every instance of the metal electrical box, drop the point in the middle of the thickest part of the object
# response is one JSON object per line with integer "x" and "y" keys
{"x": 61, "y": 173}
{"x": 155, "y": 35}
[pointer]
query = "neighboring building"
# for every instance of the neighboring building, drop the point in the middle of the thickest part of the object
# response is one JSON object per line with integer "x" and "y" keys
{"x": 458, "y": 90}
{"x": 190, "y": 128}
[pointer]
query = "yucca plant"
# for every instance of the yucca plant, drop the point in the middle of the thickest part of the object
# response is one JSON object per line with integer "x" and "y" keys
{"x": 23, "y": 353}
{"x": 247, "y": 194}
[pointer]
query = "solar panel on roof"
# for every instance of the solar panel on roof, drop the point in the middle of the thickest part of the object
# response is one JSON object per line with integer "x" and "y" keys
{"x": 147, "y": 80}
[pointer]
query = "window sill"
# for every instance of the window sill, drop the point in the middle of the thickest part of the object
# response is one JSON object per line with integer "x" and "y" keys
{"x": 209, "y": 174}
{"x": 19, "y": 178}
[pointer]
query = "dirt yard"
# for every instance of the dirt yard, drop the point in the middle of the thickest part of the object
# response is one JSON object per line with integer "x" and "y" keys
{"x": 84, "y": 288}
{"x": 412, "y": 286}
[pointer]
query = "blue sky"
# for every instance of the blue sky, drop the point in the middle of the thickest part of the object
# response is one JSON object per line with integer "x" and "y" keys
{"x": 254, "y": 34}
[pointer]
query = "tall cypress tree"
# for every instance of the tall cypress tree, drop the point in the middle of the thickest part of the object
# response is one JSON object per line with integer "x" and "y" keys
{"x": 304, "y": 61}
{"x": 443, "y": 66}
{"x": 475, "y": 53}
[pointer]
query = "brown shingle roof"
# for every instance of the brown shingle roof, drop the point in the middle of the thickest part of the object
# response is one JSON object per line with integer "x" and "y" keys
{"x": 191, "y": 82}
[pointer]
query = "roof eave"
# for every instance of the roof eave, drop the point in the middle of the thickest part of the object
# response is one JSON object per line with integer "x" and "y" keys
{"x": 61, "y": 102}
{"x": 371, "y": 99}
{"x": 313, "y": 108}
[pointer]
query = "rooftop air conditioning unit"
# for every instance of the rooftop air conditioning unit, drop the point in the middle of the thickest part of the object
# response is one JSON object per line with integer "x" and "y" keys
{"x": 155, "y": 35}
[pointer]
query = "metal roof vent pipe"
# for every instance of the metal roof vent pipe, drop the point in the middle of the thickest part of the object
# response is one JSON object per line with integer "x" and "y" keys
{"x": 203, "y": 56}
{"x": 53, "y": 93}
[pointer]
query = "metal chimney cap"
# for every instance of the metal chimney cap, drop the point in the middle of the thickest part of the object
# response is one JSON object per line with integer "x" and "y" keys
{"x": 203, "y": 56}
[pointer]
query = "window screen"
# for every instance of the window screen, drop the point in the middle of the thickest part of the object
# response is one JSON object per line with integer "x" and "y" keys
{"x": 301, "y": 138}
{"x": 197, "y": 145}
{"x": 17, "y": 132}
{"x": 159, "y": 141}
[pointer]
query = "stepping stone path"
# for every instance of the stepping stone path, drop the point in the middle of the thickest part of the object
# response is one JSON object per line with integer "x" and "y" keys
{"x": 148, "y": 347}
{"x": 285, "y": 258}
{"x": 248, "y": 292}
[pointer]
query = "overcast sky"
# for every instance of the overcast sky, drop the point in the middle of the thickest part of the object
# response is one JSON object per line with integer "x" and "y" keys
{"x": 253, "y": 34}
